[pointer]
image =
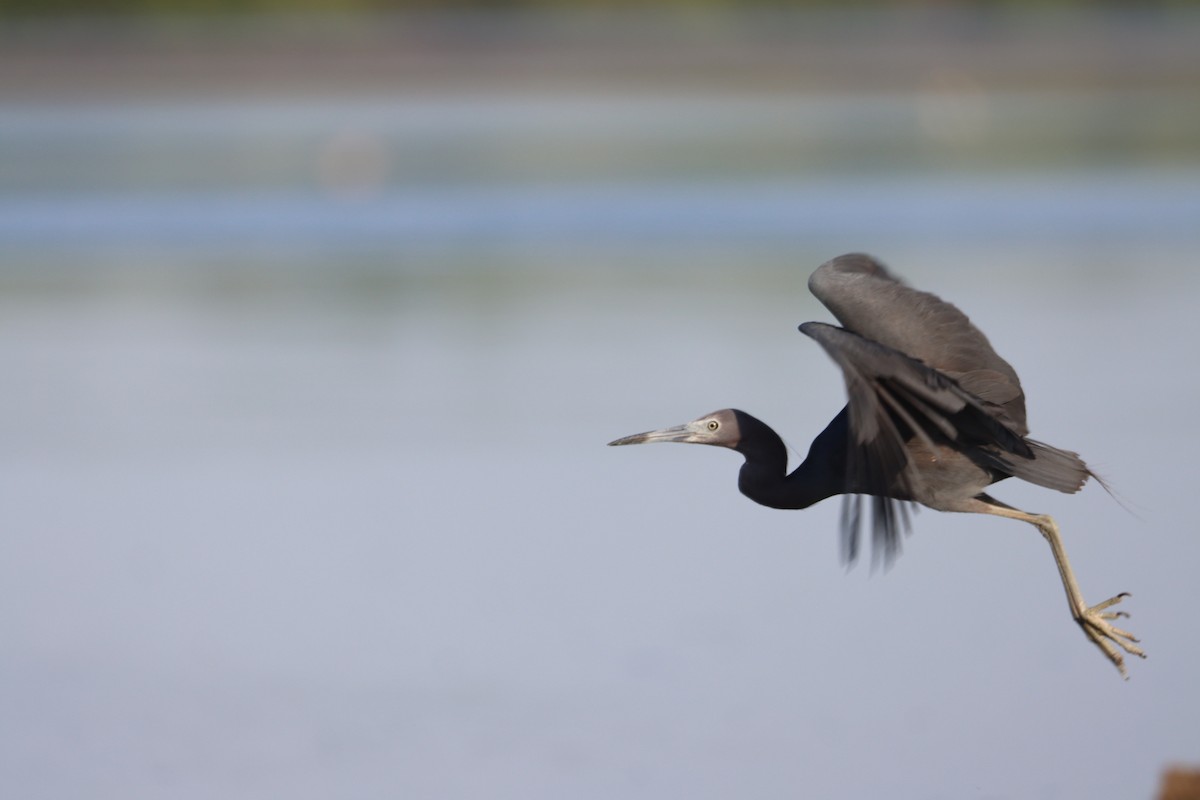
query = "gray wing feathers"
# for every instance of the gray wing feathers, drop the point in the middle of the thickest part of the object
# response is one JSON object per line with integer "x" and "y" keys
{"x": 870, "y": 301}
{"x": 880, "y": 380}
{"x": 916, "y": 369}
{"x": 887, "y": 390}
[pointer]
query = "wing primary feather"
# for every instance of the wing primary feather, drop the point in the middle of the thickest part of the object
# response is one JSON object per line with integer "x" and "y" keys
{"x": 851, "y": 506}
{"x": 917, "y": 429}
{"x": 944, "y": 425}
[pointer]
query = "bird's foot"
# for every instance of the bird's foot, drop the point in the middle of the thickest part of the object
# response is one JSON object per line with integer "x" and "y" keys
{"x": 1097, "y": 624}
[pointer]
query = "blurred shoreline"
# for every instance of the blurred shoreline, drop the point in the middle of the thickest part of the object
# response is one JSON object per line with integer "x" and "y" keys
{"x": 395, "y": 149}
{"x": 685, "y": 49}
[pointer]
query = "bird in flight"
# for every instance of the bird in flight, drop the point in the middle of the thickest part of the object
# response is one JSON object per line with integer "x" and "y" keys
{"x": 934, "y": 416}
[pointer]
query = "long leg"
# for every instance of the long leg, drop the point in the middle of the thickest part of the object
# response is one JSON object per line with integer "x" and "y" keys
{"x": 1096, "y": 621}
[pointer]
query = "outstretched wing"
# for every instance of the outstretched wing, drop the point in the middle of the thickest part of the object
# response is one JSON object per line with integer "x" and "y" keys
{"x": 892, "y": 398}
{"x": 870, "y": 301}
{"x": 916, "y": 368}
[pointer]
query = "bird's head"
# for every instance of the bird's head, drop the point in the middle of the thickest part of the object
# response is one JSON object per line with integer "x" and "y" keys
{"x": 719, "y": 428}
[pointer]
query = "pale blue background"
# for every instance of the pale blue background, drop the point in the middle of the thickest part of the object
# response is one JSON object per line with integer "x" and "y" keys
{"x": 303, "y": 475}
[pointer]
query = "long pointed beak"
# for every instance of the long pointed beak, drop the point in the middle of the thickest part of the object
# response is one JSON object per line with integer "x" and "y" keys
{"x": 677, "y": 433}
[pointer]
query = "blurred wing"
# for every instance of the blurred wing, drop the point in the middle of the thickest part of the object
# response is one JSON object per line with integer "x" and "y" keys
{"x": 870, "y": 301}
{"x": 893, "y": 397}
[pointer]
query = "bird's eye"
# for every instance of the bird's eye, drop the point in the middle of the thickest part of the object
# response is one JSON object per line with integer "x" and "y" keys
{"x": 713, "y": 424}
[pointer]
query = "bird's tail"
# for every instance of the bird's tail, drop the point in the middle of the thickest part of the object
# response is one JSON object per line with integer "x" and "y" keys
{"x": 1056, "y": 469}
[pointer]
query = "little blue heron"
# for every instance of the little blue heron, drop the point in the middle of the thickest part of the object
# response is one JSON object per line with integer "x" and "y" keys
{"x": 934, "y": 417}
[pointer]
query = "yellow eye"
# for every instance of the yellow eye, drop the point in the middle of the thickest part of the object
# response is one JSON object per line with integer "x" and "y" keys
{"x": 713, "y": 424}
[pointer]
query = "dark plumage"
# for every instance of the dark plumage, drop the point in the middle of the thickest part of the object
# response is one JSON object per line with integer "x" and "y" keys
{"x": 934, "y": 416}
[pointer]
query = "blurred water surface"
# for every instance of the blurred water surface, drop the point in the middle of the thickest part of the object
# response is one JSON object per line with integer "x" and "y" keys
{"x": 417, "y": 178}
{"x": 304, "y": 479}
